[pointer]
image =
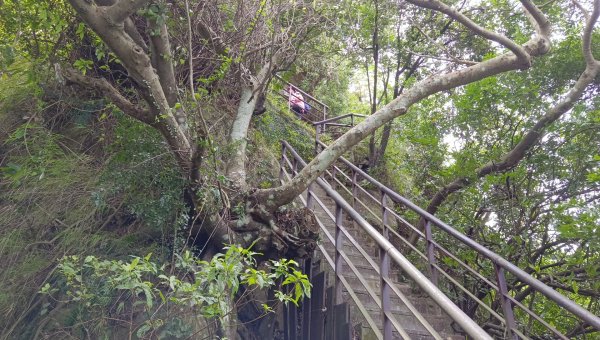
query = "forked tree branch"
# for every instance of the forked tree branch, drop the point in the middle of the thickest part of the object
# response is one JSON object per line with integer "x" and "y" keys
{"x": 522, "y": 55}
{"x": 512, "y": 158}
{"x": 139, "y": 68}
{"x": 103, "y": 86}
{"x": 587, "y": 34}
{"x": 539, "y": 20}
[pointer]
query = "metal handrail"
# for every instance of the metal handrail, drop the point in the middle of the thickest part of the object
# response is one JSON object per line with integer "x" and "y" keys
{"x": 351, "y": 115}
{"x": 444, "y": 251}
{"x": 299, "y": 90}
{"x": 390, "y": 254}
{"x": 499, "y": 262}
{"x": 306, "y": 98}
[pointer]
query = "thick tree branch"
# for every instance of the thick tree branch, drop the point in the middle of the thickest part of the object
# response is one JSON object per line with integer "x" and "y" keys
{"x": 212, "y": 38}
{"x": 122, "y": 9}
{"x": 530, "y": 139}
{"x": 129, "y": 25}
{"x": 162, "y": 59}
{"x": 139, "y": 67}
{"x": 587, "y": 34}
{"x": 103, "y": 86}
{"x": 135, "y": 34}
{"x": 522, "y": 55}
{"x": 539, "y": 20}
{"x": 236, "y": 167}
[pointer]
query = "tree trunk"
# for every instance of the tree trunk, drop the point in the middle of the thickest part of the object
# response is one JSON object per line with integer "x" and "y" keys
{"x": 375, "y": 47}
{"x": 236, "y": 167}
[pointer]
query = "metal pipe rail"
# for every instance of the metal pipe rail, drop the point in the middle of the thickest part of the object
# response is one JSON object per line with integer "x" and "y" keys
{"x": 311, "y": 116}
{"x": 388, "y": 255}
{"x": 303, "y": 93}
{"x": 351, "y": 115}
{"x": 322, "y": 125}
{"x": 500, "y": 264}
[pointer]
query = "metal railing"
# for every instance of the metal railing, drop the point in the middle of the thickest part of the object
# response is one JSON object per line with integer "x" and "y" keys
{"x": 500, "y": 306}
{"x": 343, "y": 121}
{"x": 318, "y": 110}
{"x": 389, "y": 255}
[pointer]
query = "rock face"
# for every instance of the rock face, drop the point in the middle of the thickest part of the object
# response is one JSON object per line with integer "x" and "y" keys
{"x": 370, "y": 276}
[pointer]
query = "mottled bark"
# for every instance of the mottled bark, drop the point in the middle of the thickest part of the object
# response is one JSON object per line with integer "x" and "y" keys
{"x": 250, "y": 94}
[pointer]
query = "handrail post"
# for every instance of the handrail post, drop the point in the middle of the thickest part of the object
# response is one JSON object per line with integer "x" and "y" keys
{"x": 282, "y": 162}
{"x": 384, "y": 275}
{"x": 294, "y": 167}
{"x": 339, "y": 245}
{"x": 384, "y": 215}
{"x": 309, "y": 197}
{"x": 333, "y": 176}
{"x": 317, "y": 145}
{"x": 324, "y": 115}
{"x": 507, "y": 308}
{"x": 354, "y": 189}
{"x": 433, "y": 273}
{"x": 352, "y": 120}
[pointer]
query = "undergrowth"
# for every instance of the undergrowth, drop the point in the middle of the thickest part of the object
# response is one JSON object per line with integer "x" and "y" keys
{"x": 77, "y": 177}
{"x": 61, "y": 194}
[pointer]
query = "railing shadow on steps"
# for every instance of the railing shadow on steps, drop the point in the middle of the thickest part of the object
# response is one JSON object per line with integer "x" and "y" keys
{"x": 513, "y": 319}
{"x": 389, "y": 326}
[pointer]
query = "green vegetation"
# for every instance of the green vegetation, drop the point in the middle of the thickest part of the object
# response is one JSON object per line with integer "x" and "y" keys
{"x": 115, "y": 298}
{"x": 105, "y": 158}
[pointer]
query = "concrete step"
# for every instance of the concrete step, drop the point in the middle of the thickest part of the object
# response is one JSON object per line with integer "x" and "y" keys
{"x": 353, "y": 253}
{"x": 407, "y": 321}
{"x": 424, "y": 305}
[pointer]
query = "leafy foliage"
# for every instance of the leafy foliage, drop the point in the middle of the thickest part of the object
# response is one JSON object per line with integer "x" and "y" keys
{"x": 141, "y": 286}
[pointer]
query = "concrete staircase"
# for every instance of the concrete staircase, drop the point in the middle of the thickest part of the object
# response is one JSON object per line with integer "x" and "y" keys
{"x": 428, "y": 309}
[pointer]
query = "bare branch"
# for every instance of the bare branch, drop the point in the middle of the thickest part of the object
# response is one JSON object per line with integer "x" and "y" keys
{"x": 587, "y": 34}
{"x": 539, "y": 20}
{"x": 577, "y": 4}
